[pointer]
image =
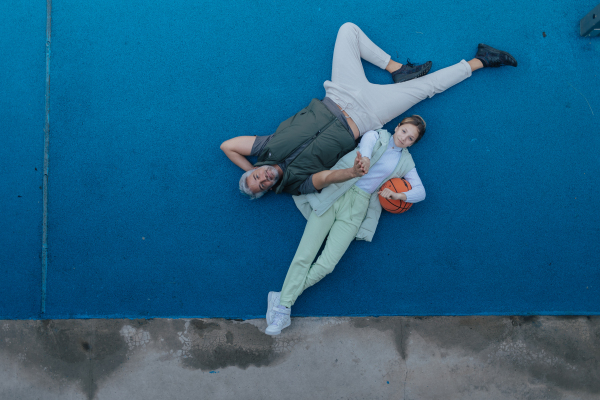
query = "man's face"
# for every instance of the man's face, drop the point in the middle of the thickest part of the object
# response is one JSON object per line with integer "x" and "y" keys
{"x": 262, "y": 178}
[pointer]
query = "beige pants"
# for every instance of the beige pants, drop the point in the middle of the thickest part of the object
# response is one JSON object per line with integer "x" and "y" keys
{"x": 369, "y": 105}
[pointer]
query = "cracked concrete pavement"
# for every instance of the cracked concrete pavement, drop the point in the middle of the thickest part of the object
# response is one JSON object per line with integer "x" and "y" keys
{"x": 489, "y": 357}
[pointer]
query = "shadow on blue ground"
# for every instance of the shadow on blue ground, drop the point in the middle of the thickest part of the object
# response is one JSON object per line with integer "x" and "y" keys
{"x": 144, "y": 215}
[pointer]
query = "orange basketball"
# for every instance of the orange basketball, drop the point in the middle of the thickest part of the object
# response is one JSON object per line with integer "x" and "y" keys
{"x": 396, "y": 185}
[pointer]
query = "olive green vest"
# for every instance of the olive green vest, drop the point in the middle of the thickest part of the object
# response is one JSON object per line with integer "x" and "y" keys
{"x": 320, "y": 138}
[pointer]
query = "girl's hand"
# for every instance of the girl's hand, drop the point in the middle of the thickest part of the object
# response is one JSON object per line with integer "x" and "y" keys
{"x": 388, "y": 194}
{"x": 358, "y": 169}
{"x": 366, "y": 163}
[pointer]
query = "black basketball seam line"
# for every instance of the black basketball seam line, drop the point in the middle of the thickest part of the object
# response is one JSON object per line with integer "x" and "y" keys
{"x": 392, "y": 204}
{"x": 397, "y": 206}
{"x": 405, "y": 185}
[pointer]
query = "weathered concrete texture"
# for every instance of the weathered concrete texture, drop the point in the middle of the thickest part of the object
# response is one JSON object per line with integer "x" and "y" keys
{"x": 319, "y": 358}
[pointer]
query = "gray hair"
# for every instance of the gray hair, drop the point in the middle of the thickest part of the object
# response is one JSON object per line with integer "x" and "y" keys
{"x": 245, "y": 190}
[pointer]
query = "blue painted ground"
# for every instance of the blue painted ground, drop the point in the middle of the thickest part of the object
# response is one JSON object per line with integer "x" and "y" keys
{"x": 22, "y": 89}
{"x": 144, "y": 215}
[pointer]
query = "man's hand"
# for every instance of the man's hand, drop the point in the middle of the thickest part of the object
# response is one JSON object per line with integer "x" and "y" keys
{"x": 325, "y": 178}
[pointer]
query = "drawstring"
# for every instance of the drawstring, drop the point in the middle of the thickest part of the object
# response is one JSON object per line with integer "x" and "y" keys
{"x": 352, "y": 206}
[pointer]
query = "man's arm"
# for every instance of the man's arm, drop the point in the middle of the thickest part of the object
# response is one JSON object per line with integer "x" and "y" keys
{"x": 326, "y": 178}
{"x": 237, "y": 149}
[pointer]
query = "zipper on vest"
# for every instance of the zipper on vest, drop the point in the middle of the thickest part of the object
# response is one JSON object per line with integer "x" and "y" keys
{"x": 308, "y": 142}
{"x": 301, "y": 148}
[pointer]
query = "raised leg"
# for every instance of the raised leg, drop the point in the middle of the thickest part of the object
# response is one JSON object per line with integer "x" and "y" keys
{"x": 350, "y": 46}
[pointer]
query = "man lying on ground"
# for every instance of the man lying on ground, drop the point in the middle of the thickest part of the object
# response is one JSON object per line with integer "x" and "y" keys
{"x": 319, "y": 135}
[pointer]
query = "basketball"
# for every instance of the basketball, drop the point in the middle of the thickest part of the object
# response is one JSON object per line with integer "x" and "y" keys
{"x": 396, "y": 185}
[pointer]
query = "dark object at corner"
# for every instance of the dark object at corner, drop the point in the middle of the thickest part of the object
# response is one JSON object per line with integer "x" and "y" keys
{"x": 590, "y": 24}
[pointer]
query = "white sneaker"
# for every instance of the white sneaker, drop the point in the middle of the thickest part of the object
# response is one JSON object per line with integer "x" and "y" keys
{"x": 272, "y": 301}
{"x": 281, "y": 320}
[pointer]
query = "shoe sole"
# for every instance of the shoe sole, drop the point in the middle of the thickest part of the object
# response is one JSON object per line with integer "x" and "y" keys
{"x": 420, "y": 74}
{"x": 270, "y": 305}
{"x": 490, "y": 48}
{"x": 278, "y": 332}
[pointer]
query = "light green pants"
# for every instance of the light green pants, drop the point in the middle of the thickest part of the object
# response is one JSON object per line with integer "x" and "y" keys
{"x": 341, "y": 222}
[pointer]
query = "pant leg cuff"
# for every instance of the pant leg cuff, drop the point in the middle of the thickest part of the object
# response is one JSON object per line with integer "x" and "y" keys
{"x": 386, "y": 61}
{"x": 468, "y": 68}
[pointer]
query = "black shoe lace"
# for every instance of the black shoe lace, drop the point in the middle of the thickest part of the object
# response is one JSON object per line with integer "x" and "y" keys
{"x": 409, "y": 64}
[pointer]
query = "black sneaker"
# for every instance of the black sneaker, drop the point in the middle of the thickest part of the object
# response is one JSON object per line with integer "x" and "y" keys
{"x": 491, "y": 57}
{"x": 410, "y": 71}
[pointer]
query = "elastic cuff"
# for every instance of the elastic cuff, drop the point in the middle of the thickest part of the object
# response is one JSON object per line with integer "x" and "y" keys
{"x": 387, "y": 61}
{"x": 466, "y": 64}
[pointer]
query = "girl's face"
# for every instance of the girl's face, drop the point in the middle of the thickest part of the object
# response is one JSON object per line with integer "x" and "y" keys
{"x": 405, "y": 135}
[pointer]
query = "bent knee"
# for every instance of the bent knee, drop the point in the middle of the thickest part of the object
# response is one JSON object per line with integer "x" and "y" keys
{"x": 323, "y": 270}
{"x": 348, "y": 27}
{"x": 315, "y": 275}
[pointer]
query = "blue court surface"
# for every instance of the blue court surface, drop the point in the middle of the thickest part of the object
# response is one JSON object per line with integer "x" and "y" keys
{"x": 144, "y": 215}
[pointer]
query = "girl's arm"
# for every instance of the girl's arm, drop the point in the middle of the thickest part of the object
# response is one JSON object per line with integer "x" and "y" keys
{"x": 414, "y": 195}
{"x": 366, "y": 148}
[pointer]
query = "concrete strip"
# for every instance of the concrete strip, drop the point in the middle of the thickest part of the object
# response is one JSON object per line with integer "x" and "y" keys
{"x": 318, "y": 358}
